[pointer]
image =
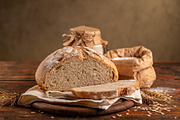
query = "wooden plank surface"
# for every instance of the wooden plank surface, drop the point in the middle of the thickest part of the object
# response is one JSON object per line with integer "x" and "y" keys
{"x": 19, "y": 76}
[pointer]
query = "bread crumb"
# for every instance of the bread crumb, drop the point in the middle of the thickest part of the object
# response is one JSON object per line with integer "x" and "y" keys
{"x": 127, "y": 113}
{"x": 127, "y": 110}
{"x": 148, "y": 115}
{"x": 52, "y": 117}
{"x": 113, "y": 117}
{"x": 33, "y": 112}
{"x": 42, "y": 112}
{"x": 175, "y": 117}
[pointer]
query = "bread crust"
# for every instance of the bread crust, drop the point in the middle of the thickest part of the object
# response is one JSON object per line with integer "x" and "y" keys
{"x": 62, "y": 55}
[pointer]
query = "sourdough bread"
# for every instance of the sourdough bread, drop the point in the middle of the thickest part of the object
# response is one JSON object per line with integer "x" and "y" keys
{"x": 74, "y": 67}
{"x": 105, "y": 91}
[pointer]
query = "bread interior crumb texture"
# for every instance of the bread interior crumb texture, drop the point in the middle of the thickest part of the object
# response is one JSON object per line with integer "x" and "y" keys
{"x": 78, "y": 72}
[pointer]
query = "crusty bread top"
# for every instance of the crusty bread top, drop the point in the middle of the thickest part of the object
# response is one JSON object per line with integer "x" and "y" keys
{"x": 65, "y": 53}
{"x": 144, "y": 55}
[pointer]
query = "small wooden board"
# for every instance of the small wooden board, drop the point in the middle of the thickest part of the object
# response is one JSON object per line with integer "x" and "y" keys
{"x": 82, "y": 111}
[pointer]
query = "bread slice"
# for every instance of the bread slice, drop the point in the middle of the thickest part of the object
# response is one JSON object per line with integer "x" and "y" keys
{"x": 75, "y": 67}
{"x": 109, "y": 90}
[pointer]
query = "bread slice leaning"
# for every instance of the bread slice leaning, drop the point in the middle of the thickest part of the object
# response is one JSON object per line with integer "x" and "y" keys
{"x": 108, "y": 90}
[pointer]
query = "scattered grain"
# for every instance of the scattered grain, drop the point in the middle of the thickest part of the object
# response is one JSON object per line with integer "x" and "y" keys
{"x": 165, "y": 91}
{"x": 162, "y": 113}
{"x": 127, "y": 113}
{"x": 149, "y": 112}
{"x": 154, "y": 102}
{"x": 113, "y": 117}
{"x": 119, "y": 115}
{"x": 52, "y": 117}
{"x": 33, "y": 112}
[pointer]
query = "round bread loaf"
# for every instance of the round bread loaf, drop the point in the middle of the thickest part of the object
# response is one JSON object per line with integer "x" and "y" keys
{"x": 71, "y": 67}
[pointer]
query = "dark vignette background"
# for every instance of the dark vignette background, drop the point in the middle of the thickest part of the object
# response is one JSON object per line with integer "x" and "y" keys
{"x": 32, "y": 29}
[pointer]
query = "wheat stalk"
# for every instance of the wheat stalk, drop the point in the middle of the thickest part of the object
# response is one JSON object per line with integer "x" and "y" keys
{"x": 151, "y": 97}
{"x": 8, "y": 98}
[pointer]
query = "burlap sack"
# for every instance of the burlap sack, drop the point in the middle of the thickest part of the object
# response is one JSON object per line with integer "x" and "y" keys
{"x": 135, "y": 62}
{"x": 146, "y": 77}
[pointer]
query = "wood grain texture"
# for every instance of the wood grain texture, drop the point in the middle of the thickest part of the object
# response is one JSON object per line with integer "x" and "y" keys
{"x": 82, "y": 111}
{"x": 168, "y": 75}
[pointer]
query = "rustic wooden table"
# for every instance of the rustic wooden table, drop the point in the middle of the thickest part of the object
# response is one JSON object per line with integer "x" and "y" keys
{"x": 19, "y": 76}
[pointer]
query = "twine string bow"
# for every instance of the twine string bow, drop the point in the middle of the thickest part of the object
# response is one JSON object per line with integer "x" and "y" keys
{"x": 79, "y": 39}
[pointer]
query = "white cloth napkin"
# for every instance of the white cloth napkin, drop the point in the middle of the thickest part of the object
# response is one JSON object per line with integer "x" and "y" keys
{"x": 37, "y": 94}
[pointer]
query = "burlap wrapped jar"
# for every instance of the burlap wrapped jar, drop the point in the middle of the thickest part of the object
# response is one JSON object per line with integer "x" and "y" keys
{"x": 134, "y": 63}
{"x": 87, "y": 37}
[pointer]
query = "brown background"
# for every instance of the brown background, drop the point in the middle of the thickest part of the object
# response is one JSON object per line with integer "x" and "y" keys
{"x": 32, "y": 29}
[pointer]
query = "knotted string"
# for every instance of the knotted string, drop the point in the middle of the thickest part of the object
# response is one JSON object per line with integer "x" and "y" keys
{"x": 81, "y": 39}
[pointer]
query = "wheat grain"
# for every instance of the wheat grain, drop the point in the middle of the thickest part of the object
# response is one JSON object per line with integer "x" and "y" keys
{"x": 8, "y": 98}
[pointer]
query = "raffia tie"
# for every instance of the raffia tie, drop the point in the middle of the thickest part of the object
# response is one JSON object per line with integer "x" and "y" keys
{"x": 77, "y": 39}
